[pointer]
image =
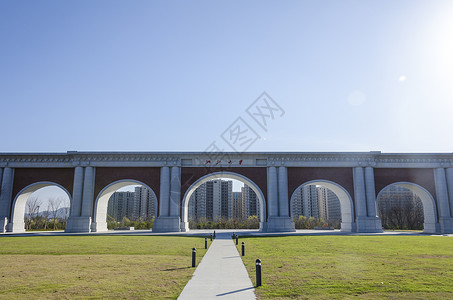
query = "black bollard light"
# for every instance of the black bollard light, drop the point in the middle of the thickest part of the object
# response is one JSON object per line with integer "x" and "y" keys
{"x": 211, "y": 237}
{"x": 258, "y": 272}
{"x": 194, "y": 257}
{"x": 206, "y": 243}
{"x": 237, "y": 239}
{"x": 214, "y": 234}
{"x": 243, "y": 249}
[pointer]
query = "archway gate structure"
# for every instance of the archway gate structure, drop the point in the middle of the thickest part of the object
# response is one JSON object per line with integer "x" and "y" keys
{"x": 358, "y": 176}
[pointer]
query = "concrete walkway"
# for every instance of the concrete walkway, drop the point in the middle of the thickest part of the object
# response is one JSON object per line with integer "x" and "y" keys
{"x": 220, "y": 274}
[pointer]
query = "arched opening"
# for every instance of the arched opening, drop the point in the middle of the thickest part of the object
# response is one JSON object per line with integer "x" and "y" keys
{"x": 102, "y": 200}
{"x": 344, "y": 199}
{"x": 222, "y": 175}
{"x": 46, "y": 201}
{"x": 401, "y": 200}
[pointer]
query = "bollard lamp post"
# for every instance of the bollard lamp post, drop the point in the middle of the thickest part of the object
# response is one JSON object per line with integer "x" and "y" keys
{"x": 258, "y": 272}
{"x": 194, "y": 257}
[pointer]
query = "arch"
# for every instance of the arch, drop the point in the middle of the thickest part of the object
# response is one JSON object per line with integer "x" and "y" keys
{"x": 430, "y": 224}
{"x": 102, "y": 200}
{"x": 17, "y": 223}
{"x": 217, "y": 175}
{"x": 346, "y": 204}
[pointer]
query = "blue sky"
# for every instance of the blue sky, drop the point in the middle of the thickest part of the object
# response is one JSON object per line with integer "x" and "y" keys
{"x": 173, "y": 75}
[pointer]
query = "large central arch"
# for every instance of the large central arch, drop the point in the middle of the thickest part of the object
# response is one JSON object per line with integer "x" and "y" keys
{"x": 102, "y": 200}
{"x": 431, "y": 224}
{"x": 20, "y": 201}
{"x": 346, "y": 206}
{"x": 217, "y": 175}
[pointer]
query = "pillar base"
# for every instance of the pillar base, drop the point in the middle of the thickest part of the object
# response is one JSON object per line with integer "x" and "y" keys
{"x": 347, "y": 227}
{"x": 3, "y": 224}
{"x": 99, "y": 227}
{"x": 167, "y": 224}
{"x": 78, "y": 224}
{"x": 446, "y": 225}
{"x": 16, "y": 227}
{"x": 368, "y": 225}
{"x": 263, "y": 226}
{"x": 431, "y": 228}
{"x": 184, "y": 226}
{"x": 280, "y": 224}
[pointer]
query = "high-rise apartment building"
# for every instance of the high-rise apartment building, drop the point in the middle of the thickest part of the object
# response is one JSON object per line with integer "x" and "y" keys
{"x": 212, "y": 200}
{"x": 133, "y": 205}
{"x": 398, "y": 196}
{"x": 250, "y": 201}
{"x": 238, "y": 206}
{"x": 305, "y": 202}
{"x": 316, "y": 201}
{"x": 144, "y": 204}
{"x": 328, "y": 204}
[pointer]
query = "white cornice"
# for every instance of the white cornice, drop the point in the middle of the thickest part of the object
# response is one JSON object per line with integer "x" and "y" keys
{"x": 227, "y": 159}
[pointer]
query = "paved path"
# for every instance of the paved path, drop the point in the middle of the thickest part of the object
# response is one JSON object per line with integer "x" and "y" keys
{"x": 220, "y": 274}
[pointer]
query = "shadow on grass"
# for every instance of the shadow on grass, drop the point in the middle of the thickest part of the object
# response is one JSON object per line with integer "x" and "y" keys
{"x": 176, "y": 269}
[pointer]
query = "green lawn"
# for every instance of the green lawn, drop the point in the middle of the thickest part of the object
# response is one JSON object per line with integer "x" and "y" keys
{"x": 67, "y": 267}
{"x": 339, "y": 267}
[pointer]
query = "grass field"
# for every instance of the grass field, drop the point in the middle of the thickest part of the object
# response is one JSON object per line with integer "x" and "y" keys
{"x": 67, "y": 267}
{"x": 339, "y": 267}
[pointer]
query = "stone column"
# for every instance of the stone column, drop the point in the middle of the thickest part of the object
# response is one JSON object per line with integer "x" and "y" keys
{"x": 374, "y": 223}
{"x": 164, "y": 205}
{"x": 175, "y": 192}
{"x": 449, "y": 177}
{"x": 443, "y": 206}
{"x": 364, "y": 196}
{"x": 1, "y": 176}
{"x": 283, "y": 192}
{"x": 277, "y": 194}
{"x": 359, "y": 192}
{"x": 88, "y": 192}
{"x": 77, "y": 193}
{"x": 370, "y": 192}
{"x": 272, "y": 192}
{"x": 73, "y": 223}
{"x": 170, "y": 194}
{"x": 6, "y": 189}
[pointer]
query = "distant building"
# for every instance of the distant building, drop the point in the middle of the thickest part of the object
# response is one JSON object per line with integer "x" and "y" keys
{"x": 316, "y": 201}
{"x": 212, "y": 200}
{"x": 305, "y": 202}
{"x": 398, "y": 196}
{"x": 197, "y": 203}
{"x": 250, "y": 201}
{"x": 238, "y": 206}
{"x": 133, "y": 205}
{"x": 328, "y": 204}
{"x": 144, "y": 204}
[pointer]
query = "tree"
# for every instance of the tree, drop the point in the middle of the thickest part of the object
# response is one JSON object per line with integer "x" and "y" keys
{"x": 32, "y": 209}
{"x": 54, "y": 204}
{"x": 125, "y": 221}
{"x": 46, "y": 216}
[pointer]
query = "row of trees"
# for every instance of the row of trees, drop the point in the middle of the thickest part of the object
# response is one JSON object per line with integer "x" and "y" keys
{"x": 252, "y": 222}
{"x": 126, "y": 222}
{"x": 399, "y": 215}
{"x": 302, "y": 222}
{"x": 54, "y": 217}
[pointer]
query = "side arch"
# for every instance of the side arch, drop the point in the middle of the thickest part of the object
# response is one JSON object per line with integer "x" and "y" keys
{"x": 17, "y": 223}
{"x": 217, "y": 175}
{"x": 100, "y": 205}
{"x": 346, "y": 204}
{"x": 431, "y": 223}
